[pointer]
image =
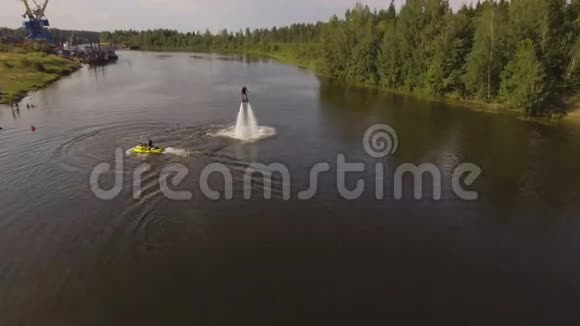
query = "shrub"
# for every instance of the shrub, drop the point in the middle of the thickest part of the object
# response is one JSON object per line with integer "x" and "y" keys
{"x": 38, "y": 67}
{"x": 522, "y": 81}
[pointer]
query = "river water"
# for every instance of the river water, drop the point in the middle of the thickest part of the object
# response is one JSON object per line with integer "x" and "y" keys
{"x": 512, "y": 256}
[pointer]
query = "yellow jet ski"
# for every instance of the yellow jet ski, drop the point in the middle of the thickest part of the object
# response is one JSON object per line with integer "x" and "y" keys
{"x": 147, "y": 150}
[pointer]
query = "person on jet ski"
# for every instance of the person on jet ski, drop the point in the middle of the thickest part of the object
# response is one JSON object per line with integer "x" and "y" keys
{"x": 245, "y": 94}
{"x": 150, "y": 144}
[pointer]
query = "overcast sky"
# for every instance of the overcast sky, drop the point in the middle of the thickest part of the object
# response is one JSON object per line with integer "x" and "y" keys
{"x": 183, "y": 15}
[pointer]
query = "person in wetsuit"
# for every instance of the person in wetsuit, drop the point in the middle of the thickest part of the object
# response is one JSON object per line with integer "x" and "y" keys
{"x": 150, "y": 144}
{"x": 245, "y": 94}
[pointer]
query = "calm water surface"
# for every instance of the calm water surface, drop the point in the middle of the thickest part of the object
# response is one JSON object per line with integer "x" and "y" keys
{"x": 68, "y": 258}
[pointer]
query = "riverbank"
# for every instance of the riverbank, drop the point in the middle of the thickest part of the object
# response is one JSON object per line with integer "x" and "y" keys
{"x": 305, "y": 56}
{"x": 301, "y": 55}
{"x": 22, "y": 72}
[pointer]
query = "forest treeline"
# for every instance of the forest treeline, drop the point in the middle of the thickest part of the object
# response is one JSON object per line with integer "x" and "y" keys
{"x": 523, "y": 54}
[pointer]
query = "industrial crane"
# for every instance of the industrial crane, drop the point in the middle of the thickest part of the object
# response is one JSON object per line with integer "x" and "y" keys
{"x": 37, "y": 24}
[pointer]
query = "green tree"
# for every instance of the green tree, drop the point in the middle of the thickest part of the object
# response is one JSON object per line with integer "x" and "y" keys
{"x": 410, "y": 24}
{"x": 522, "y": 81}
{"x": 544, "y": 23}
{"x": 488, "y": 54}
{"x": 362, "y": 40}
{"x": 389, "y": 58}
{"x": 335, "y": 50}
{"x": 447, "y": 53}
{"x": 573, "y": 70}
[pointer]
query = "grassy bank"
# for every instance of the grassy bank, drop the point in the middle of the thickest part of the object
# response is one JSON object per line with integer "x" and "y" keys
{"x": 302, "y": 55}
{"x": 21, "y": 72}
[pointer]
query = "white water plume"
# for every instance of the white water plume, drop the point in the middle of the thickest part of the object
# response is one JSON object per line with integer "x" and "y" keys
{"x": 246, "y": 128}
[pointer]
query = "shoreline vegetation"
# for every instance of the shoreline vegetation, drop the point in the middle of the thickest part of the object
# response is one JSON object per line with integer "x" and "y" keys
{"x": 291, "y": 59}
{"x": 570, "y": 103}
{"x": 23, "y": 70}
{"x": 520, "y": 55}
